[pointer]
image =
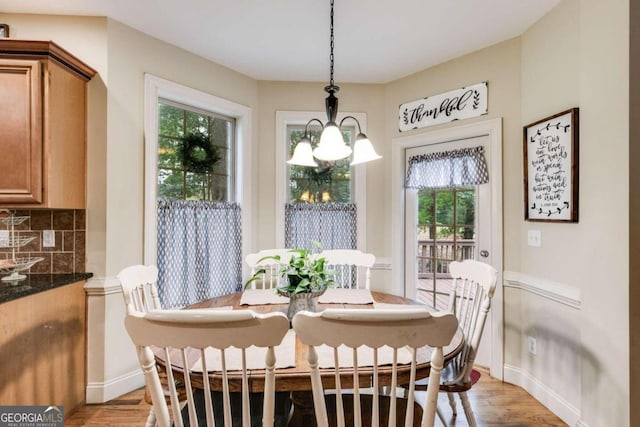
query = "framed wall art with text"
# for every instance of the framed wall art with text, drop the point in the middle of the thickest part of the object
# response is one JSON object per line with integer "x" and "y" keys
{"x": 551, "y": 168}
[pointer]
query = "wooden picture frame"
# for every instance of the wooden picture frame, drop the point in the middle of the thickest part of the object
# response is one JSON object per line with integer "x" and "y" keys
{"x": 551, "y": 168}
{"x": 4, "y": 30}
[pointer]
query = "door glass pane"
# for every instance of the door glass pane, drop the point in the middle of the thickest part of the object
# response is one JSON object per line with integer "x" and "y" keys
{"x": 446, "y": 232}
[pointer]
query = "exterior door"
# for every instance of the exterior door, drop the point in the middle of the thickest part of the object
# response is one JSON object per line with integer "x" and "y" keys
{"x": 445, "y": 225}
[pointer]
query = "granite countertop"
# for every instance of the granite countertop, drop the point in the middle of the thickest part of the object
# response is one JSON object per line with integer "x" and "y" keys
{"x": 35, "y": 283}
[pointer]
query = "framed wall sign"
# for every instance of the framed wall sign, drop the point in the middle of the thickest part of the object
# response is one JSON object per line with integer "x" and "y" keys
{"x": 463, "y": 103}
{"x": 4, "y": 30}
{"x": 551, "y": 168}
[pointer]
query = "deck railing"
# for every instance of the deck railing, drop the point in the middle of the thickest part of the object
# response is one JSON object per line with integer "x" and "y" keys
{"x": 434, "y": 256}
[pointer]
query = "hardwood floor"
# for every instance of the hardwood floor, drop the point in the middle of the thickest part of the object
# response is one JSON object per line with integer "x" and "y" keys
{"x": 494, "y": 403}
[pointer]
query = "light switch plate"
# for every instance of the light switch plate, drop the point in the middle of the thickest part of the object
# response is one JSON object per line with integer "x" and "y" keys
{"x": 48, "y": 238}
{"x": 534, "y": 238}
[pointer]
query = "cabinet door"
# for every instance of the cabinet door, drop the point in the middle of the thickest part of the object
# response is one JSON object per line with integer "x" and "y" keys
{"x": 20, "y": 131}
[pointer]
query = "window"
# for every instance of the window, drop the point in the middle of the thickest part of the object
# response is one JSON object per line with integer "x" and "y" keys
{"x": 318, "y": 203}
{"x": 198, "y": 213}
{"x": 175, "y": 179}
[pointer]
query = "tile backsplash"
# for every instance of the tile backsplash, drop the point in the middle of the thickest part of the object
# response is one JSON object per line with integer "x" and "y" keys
{"x": 68, "y": 253}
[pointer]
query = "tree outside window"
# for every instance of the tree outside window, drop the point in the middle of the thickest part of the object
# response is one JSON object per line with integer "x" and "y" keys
{"x": 177, "y": 125}
{"x": 446, "y": 224}
{"x": 330, "y": 182}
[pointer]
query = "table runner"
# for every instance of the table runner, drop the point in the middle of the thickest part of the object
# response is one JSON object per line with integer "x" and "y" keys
{"x": 346, "y": 296}
{"x": 262, "y": 297}
{"x": 384, "y": 305}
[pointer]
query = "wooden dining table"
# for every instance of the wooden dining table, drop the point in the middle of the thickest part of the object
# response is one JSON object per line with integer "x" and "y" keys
{"x": 297, "y": 380}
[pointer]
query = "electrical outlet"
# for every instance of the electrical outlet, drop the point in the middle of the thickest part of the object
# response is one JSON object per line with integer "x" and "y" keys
{"x": 48, "y": 238}
{"x": 533, "y": 345}
{"x": 534, "y": 238}
{"x": 4, "y": 238}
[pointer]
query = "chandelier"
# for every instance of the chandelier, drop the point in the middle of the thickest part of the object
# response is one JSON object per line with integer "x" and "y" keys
{"x": 332, "y": 146}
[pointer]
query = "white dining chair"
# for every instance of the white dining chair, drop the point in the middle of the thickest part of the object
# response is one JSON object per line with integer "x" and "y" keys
{"x": 190, "y": 339}
{"x": 474, "y": 283}
{"x": 352, "y": 267}
{"x": 139, "y": 285}
{"x": 270, "y": 279}
{"x": 404, "y": 330}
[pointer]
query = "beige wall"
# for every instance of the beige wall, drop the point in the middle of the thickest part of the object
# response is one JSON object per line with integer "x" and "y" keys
{"x": 577, "y": 56}
{"x": 131, "y": 54}
{"x": 549, "y": 85}
{"x": 121, "y": 56}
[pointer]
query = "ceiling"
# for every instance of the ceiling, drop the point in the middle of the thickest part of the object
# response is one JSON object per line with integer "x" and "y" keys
{"x": 375, "y": 41}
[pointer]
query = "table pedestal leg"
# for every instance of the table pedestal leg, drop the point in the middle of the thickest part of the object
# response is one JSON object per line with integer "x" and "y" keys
{"x": 303, "y": 414}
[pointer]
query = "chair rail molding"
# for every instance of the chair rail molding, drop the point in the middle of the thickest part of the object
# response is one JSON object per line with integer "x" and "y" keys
{"x": 100, "y": 286}
{"x": 554, "y": 291}
{"x": 382, "y": 264}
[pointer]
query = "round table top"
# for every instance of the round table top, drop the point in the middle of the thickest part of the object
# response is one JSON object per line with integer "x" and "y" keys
{"x": 298, "y": 378}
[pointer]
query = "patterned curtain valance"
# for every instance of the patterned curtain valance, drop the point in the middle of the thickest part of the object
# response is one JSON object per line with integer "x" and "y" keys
{"x": 448, "y": 169}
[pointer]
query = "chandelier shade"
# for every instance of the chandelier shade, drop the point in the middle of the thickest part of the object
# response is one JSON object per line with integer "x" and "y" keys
{"x": 332, "y": 146}
{"x": 303, "y": 154}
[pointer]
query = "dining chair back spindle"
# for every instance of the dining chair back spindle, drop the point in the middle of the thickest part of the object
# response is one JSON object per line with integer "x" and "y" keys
{"x": 352, "y": 267}
{"x": 196, "y": 340}
{"x": 270, "y": 279}
{"x": 407, "y": 330}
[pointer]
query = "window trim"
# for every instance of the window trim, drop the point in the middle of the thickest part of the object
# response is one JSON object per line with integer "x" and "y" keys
{"x": 155, "y": 89}
{"x": 359, "y": 173}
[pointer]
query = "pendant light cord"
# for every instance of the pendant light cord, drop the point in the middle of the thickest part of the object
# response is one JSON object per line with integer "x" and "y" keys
{"x": 331, "y": 44}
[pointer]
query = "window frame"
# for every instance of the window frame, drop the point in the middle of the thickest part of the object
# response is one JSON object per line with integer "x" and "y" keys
{"x": 156, "y": 89}
{"x": 359, "y": 172}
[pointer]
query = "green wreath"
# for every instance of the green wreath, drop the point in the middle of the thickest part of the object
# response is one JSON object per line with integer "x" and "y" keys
{"x": 198, "y": 154}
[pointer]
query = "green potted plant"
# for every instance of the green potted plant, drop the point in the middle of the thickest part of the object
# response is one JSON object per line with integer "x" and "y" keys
{"x": 307, "y": 278}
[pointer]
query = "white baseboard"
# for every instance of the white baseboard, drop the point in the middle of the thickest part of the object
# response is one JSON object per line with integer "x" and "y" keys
{"x": 549, "y": 398}
{"x": 100, "y": 392}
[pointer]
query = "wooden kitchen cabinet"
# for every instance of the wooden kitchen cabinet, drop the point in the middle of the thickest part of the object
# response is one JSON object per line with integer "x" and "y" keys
{"x": 43, "y": 135}
{"x": 43, "y": 347}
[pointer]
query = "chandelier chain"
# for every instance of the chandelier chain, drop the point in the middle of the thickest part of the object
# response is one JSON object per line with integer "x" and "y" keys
{"x": 331, "y": 48}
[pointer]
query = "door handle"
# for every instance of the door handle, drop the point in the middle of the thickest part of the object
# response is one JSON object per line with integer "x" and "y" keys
{"x": 484, "y": 254}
